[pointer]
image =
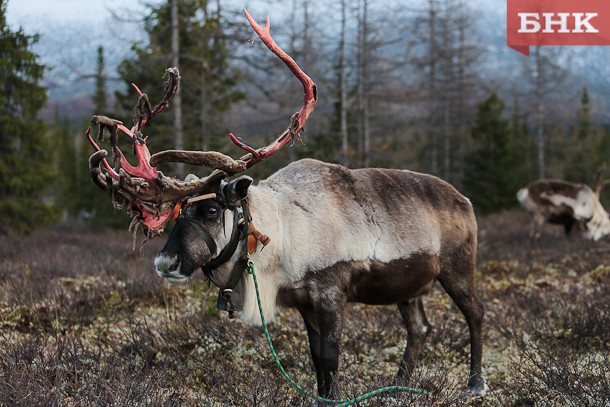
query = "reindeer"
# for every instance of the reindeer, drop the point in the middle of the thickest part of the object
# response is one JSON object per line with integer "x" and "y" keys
{"x": 331, "y": 235}
{"x": 565, "y": 203}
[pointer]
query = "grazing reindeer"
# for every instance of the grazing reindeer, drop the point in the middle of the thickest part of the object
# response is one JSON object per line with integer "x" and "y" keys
{"x": 332, "y": 235}
{"x": 568, "y": 204}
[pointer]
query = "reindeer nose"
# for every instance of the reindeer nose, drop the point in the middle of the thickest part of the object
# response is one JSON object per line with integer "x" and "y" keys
{"x": 175, "y": 265}
{"x": 166, "y": 264}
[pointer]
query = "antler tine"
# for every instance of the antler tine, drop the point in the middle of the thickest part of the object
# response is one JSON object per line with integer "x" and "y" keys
{"x": 100, "y": 158}
{"x": 144, "y": 113}
{"x": 97, "y": 175}
{"x": 148, "y": 195}
{"x": 210, "y": 159}
{"x": 298, "y": 119}
{"x": 226, "y": 163}
{"x": 143, "y": 169}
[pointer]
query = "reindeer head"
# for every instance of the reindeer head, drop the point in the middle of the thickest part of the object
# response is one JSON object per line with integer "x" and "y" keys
{"x": 599, "y": 225}
{"x": 204, "y": 208}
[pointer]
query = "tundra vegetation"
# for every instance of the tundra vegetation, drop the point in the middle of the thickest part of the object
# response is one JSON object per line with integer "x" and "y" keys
{"x": 98, "y": 327}
{"x": 388, "y": 248}
{"x": 85, "y": 321}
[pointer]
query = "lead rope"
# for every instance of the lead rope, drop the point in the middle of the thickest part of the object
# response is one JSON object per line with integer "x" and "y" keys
{"x": 348, "y": 402}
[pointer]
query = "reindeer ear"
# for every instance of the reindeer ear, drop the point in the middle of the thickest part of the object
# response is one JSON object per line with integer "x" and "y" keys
{"x": 191, "y": 178}
{"x": 237, "y": 189}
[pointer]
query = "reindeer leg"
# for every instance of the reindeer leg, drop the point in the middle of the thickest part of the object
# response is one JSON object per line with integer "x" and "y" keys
{"x": 538, "y": 222}
{"x": 330, "y": 316}
{"x": 457, "y": 278}
{"x": 313, "y": 332}
{"x": 418, "y": 328}
{"x": 567, "y": 227}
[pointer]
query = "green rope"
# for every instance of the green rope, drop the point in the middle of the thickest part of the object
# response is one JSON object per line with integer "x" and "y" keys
{"x": 388, "y": 389}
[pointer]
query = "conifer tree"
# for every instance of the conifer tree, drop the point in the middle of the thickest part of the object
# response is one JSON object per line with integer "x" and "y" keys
{"x": 490, "y": 166}
{"x": 87, "y": 205}
{"x": 67, "y": 185}
{"x": 521, "y": 150}
{"x": 25, "y": 160}
{"x": 101, "y": 96}
{"x": 582, "y": 148}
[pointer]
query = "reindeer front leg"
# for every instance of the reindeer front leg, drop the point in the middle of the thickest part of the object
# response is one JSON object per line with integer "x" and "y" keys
{"x": 330, "y": 316}
{"x": 312, "y": 324}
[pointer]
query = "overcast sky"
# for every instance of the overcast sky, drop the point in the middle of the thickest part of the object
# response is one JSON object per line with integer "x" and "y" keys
{"x": 39, "y": 16}
{"x": 20, "y": 11}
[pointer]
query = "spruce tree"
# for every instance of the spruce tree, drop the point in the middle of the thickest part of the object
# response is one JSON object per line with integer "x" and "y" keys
{"x": 582, "y": 149}
{"x": 490, "y": 166}
{"x": 66, "y": 166}
{"x": 520, "y": 150}
{"x": 101, "y": 96}
{"x": 89, "y": 205}
{"x": 26, "y": 172}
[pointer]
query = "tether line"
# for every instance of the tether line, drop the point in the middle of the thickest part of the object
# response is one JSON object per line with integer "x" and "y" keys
{"x": 347, "y": 402}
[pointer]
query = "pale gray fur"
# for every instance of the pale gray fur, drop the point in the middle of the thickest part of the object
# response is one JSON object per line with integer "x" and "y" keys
{"x": 312, "y": 228}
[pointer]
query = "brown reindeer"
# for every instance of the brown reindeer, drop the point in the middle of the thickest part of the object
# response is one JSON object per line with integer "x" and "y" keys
{"x": 565, "y": 203}
{"x": 331, "y": 235}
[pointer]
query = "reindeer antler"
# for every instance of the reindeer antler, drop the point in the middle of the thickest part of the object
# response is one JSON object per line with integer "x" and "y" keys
{"x": 296, "y": 124}
{"x": 298, "y": 120}
{"x": 150, "y": 196}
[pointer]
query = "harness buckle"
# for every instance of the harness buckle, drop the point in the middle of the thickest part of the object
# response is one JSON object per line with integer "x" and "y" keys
{"x": 231, "y": 300}
{"x": 230, "y": 307}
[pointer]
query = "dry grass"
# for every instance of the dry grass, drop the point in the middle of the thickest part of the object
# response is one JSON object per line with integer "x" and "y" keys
{"x": 85, "y": 321}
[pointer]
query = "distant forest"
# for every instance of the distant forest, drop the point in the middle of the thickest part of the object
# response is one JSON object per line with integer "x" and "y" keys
{"x": 398, "y": 87}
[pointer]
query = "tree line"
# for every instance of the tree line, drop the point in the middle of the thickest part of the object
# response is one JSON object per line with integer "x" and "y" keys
{"x": 399, "y": 87}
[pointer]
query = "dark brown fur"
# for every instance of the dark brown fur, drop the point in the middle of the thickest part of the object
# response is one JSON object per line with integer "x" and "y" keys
{"x": 375, "y": 236}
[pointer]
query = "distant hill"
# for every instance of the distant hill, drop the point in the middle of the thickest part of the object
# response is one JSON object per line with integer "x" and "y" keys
{"x": 70, "y": 53}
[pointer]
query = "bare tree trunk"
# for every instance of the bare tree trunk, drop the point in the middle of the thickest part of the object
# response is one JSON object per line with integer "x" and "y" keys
{"x": 432, "y": 87}
{"x": 306, "y": 35}
{"x": 365, "y": 110}
{"x": 293, "y": 51}
{"x": 447, "y": 95}
{"x": 359, "y": 89}
{"x": 177, "y": 102}
{"x": 364, "y": 128}
{"x": 449, "y": 68}
{"x": 446, "y": 138}
{"x": 343, "y": 89}
{"x": 461, "y": 116}
{"x": 203, "y": 115}
{"x": 539, "y": 113}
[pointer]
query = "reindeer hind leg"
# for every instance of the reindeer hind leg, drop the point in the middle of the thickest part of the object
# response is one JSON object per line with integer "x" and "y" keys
{"x": 457, "y": 278}
{"x": 418, "y": 329}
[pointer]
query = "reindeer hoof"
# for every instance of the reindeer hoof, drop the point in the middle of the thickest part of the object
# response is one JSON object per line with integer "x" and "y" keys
{"x": 479, "y": 390}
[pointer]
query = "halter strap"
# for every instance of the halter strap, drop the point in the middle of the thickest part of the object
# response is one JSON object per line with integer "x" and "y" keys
{"x": 230, "y": 297}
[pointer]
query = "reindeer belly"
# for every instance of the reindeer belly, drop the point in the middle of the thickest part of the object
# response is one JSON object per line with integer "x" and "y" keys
{"x": 368, "y": 282}
{"x": 398, "y": 280}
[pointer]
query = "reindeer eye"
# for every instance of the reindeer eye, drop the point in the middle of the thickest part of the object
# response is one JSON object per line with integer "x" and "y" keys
{"x": 208, "y": 211}
{"x": 212, "y": 211}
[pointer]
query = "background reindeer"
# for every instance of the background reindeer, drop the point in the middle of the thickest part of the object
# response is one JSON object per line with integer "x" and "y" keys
{"x": 331, "y": 235}
{"x": 568, "y": 204}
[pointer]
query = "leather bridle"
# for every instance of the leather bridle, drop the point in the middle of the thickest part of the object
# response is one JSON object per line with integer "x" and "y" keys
{"x": 230, "y": 297}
